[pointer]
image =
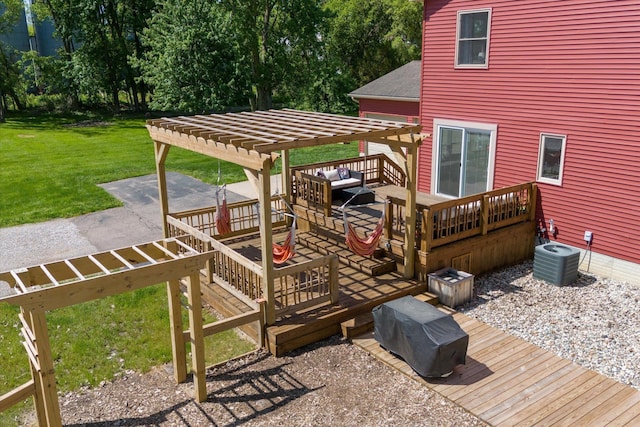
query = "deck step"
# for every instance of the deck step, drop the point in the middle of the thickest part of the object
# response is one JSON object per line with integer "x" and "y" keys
{"x": 357, "y": 326}
{"x": 326, "y": 244}
{"x": 289, "y": 334}
{"x": 363, "y": 323}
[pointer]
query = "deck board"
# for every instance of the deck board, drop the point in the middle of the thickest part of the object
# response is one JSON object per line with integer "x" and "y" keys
{"x": 508, "y": 381}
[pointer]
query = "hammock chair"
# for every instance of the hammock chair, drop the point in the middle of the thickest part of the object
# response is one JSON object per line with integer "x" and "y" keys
{"x": 363, "y": 246}
{"x": 222, "y": 217}
{"x": 286, "y": 251}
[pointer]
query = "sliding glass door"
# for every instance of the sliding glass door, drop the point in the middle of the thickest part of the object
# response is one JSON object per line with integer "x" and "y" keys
{"x": 463, "y": 160}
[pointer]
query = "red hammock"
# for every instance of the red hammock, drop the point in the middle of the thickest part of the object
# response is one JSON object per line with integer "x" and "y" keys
{"x": 222, "y": 217}
{"x": 363, "y": 246}
{"x": 283, "y": 253}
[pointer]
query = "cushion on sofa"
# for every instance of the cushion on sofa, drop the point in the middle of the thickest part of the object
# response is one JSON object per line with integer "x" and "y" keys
{"x": 332, "y": 175}
{"x": 345, "y": 183}
{"x": 344, "y": 173}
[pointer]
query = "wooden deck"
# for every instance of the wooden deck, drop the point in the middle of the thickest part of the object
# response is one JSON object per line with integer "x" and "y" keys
{"x": 363, "y": 282}
{"x": 359, "y": 292}
{"x": 508, "y": 381}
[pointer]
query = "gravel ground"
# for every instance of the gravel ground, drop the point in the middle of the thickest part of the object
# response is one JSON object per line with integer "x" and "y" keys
{"x": 329, "y": 383}
{"x": 593, "y": 322}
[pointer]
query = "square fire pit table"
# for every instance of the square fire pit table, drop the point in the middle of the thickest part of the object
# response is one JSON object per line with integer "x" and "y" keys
{"x": 362, "y": 195}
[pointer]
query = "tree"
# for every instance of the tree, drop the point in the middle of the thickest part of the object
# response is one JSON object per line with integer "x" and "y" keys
{"x": 229, "y": 52}
{"x": 189, "y": 61}
{"x": 202, "y": 56}
{"x": 406, "y": 28}
{"x": 369, "y": 38}
{"x": 109, "y": 30}
{"x": 99, "y": 37}
{"x": 276, "y": 40}
{"x": 9, "y": 71}
{"x": 64, "y": 15}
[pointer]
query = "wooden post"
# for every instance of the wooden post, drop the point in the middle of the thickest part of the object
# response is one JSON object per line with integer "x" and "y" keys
{"x": 208, "y": 267}
{"x": 285, "y": 181}
{"x": 388, "y": 214}
{"x": 177, "y": 338}
{"x": 484, "y": 212}
{"x": 334, "y": 267}
{"x": 266, "y": 240}
{"x": 533, "y": 201}
{"x": 38, "y": 402}
{"x": 260, "y": 322}
{"x": 427, "y": 230}
{"x": 196, "y": 334}
{"x": 45, "y": 374}
{"x": 410, "y": 209}
{"x": 285, "y": 177}
{"x": 161, "y": 151}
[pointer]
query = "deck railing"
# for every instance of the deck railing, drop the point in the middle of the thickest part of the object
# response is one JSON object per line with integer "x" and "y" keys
{"x": 457, "y": 219}
{"x": 244, "y": 217}
{"x": 315, "y": 193}
{"x": 309, "y": 283}
{"x": 377, "y": 168}
{"x": 296, "y": 286}
{"x": 236, "y": 273}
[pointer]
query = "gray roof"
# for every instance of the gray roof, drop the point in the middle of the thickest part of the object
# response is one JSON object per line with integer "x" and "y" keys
{"x": 402, "y": 84}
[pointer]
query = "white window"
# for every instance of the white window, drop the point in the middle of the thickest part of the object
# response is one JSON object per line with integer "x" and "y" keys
{"x": 464, "y": 157}
{"x": 472, "y": 38}
{"x": 551, "y": 158}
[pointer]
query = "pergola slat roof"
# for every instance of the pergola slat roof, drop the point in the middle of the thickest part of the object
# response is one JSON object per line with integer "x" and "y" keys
{"x": 260, "y": 134}
{"x": 254, "y": 140}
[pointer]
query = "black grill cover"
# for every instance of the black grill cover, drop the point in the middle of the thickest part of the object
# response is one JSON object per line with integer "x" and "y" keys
{"x": 430, "y": 341}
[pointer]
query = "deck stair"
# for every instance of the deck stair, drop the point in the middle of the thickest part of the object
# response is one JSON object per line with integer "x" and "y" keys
{"x": 326, "y": 244}
{"x": 363, "y": 323}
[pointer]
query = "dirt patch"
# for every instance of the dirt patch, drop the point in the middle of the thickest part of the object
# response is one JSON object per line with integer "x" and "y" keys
{"x": 328, "y": 383}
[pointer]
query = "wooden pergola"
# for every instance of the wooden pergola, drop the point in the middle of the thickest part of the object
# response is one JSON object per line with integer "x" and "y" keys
{"x": 255, "y": 140}
{"x": 42, "y": 288}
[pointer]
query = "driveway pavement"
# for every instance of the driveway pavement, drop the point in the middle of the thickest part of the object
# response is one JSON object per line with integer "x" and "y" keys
{"x": 136, "y": 222}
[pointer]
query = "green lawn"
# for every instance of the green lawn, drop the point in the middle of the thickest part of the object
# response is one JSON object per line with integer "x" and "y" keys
{"x": 50, "y": 168}
{"x": 51, "y": 165}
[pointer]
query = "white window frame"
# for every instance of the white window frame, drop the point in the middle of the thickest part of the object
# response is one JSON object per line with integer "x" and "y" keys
{"x": 435, "y": 153}
{"x": 541, "y": 150}
{"x": 459, "y": 19}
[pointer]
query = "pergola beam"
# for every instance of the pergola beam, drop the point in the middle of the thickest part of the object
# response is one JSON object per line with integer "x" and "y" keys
{"x": 242, "y": 138}
{"x": 34, "y": 290}
{"x": 226, "y": 152}
{"x": 315, "y": 141}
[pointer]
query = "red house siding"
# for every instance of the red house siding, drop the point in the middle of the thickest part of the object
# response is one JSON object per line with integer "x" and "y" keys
{"x": 409, "y": 110}
{"x": 565, "y": 67}
{"x": 405, "y": 110}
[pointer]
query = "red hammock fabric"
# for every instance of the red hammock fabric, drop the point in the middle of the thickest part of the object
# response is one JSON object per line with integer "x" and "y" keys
{"x": 363, "y": 246}
{"x": 222, "y": 217}
{"x": 286, "y": 251}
